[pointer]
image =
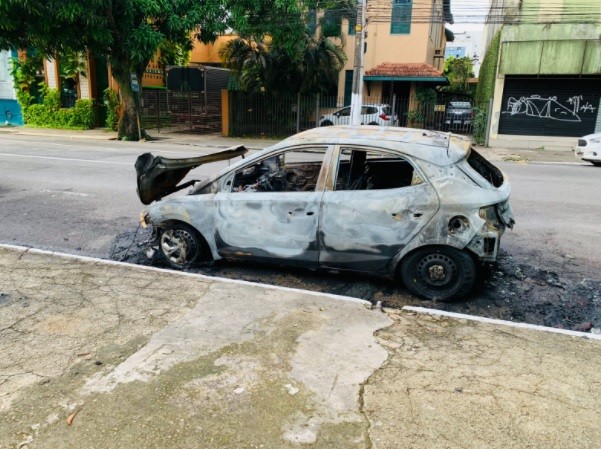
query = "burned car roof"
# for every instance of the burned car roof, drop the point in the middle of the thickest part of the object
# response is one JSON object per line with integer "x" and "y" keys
{"x": 433, "y": 146}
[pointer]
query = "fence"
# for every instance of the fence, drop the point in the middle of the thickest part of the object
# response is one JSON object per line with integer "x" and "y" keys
{"x": 180, "y": 110}
{"x": 263, "y": 114}
{"x": 270, "y": 115}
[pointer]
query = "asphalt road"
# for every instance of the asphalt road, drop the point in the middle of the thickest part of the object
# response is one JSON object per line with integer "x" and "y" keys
{"x": 78, "y": 196}
{"x": 75, "y": 195}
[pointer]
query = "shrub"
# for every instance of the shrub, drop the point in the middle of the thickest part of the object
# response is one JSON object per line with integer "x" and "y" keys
{"x": 49, "y": 114}
{"x": 111, "y": 102}
{"x": 479, "y": 125}
{"x": 83, "y": 114}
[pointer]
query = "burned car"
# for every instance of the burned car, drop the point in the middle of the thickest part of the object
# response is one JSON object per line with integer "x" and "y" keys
{"x": 418, "y": 206}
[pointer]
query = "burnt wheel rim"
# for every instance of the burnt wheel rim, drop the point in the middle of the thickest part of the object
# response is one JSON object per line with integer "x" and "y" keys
{"x": 437, "y": 271}
{"x": 178, "y": 245}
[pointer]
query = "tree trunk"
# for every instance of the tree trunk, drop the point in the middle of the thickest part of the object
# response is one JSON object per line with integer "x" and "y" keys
{"x": 128, "y": 122}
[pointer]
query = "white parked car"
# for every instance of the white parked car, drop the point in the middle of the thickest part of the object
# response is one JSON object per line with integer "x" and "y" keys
{"x": 589, "y": 149}
{"x": 371, "y": 114}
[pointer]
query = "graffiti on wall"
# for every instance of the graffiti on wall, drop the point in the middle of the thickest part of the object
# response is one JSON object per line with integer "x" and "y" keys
{"x": 549, "y": 108}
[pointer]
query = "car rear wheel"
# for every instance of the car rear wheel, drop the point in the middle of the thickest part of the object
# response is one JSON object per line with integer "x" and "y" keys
{"x": 439, "y": 273}
{"x": 596, "y": 163}
{"x": 180, "y": 245}
{"x": 374, "y": 123}
{"x": 326, "y": 123}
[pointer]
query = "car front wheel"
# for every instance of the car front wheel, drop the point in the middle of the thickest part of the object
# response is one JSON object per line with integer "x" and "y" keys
{"x": 439, "y": 273}
{"x": 180, "y": 245}
{"x": 326, "y": 123}
{"x": 596, "y": 163}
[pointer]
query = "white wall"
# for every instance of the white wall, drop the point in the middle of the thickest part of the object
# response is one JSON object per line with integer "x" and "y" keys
{"x": 7, "y": 91}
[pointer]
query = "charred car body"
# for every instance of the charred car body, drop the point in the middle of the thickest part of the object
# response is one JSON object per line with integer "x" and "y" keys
{"x": 419, "y": 206}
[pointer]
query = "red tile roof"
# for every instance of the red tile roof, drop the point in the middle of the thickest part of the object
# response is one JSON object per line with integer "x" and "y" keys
{"x": 408, "y": 70}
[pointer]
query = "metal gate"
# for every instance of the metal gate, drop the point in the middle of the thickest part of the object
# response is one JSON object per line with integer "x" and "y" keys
{"x": 550, "y": 106}
{"x": 184, "y": 109}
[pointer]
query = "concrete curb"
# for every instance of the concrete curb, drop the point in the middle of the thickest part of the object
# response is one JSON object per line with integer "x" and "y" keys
{"x": 480, "y": 319}
{"x": 96, "y": 260}
{"x": 65, "y": 134}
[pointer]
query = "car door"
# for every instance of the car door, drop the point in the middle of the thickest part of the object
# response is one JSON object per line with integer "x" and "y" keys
{"x": 369, "y": 115}
{"x": 377, "y": 204}
{"x": 343, "y": 116}
{"x": 269, "y": 209}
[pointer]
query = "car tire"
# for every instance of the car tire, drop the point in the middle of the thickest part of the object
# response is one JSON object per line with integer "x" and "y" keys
{"x": 374, "y": 123}
{"x": 439, "y": 273}
{"x": 181, "y": 246}
{"x": 596, "y": 163}
{"x": 326, "y": 123}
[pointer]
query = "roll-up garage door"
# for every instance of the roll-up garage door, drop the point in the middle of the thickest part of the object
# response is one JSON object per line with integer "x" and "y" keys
{"x": 550, "y": 106}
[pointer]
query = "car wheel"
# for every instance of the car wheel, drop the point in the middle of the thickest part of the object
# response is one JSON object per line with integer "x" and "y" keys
{"x": 180, "y": 245}
{"x": 326, "y": 123}
{"x": 596, "y": 163}
{"x": 374, "y": 123}
{"x": 439, "y": 273}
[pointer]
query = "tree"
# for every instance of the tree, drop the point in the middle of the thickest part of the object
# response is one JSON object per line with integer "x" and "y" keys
{"x": 127, "y": 32}
{"x": 458, "y": 71}
{"x": 281, "y": 50}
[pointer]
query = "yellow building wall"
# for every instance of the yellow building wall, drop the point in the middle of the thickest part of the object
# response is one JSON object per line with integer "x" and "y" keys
{"x": 419, "y": 46}
{"x": 209, "y": 53}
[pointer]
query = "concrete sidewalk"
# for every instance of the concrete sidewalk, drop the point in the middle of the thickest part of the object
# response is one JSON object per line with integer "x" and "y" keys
{"x": 98, "y": 354}
{"x": 171, "y": 137}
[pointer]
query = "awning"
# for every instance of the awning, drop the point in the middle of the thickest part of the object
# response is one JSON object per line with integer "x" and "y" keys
{"x": 409, "y": 72}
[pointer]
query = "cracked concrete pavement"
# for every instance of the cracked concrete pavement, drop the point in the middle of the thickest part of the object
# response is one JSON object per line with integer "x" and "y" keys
{"x": 106, "y": 355}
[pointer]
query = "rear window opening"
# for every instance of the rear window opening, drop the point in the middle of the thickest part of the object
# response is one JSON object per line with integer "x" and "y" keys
{"x": 485, "y": 169}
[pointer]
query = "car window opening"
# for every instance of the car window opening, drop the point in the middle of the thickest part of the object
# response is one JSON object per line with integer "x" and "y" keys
{"x": 374, "y": 170}
{"x": 485, "y": 169}
{"x": 292, "y": 171}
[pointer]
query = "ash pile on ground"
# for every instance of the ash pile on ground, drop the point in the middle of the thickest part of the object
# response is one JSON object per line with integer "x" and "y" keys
{"x": 514, "y": 288}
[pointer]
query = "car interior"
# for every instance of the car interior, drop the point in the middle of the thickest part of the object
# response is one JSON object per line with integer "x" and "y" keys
{"x": 371, "y": 170}
{"x": 280, "y": 173}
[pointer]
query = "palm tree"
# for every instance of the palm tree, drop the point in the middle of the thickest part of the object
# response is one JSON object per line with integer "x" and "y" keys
{"x": 312, "y": 67}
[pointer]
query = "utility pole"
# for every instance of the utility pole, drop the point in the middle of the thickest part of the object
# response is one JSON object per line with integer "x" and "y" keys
{"x": 357, "y": 95}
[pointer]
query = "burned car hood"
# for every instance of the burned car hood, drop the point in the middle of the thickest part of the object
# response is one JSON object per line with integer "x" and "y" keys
{"x": 158, "y": 176}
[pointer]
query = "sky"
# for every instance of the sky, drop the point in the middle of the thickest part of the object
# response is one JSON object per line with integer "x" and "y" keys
{"x": 468, "y": 11}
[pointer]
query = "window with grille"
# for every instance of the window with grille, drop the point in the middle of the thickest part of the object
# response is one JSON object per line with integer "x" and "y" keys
{"x": 400, "y": 21}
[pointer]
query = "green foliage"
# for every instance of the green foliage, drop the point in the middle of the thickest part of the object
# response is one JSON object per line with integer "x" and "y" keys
{"x": 72, "y": 65}
{"x": 479, "y": 125}
{"x": 111, "y": 103}
{"x": 25, "y": 74}
{"x": 426, "y": 96}
{"x": 458, "y": 71}
{"x": 49, "y": 114}
{"x": 172, "y": 53}
{"x": 52, "y": 99}
{"x": 265, "y": 66}
{"x": 128, "y": 32}
{"x": 488, "y": 72}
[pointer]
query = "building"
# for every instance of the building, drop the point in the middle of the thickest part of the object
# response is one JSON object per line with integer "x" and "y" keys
{"x": 405, "y": 44}
{"x": 548, "y": 78}
{"x": 10, "y": 111}
{"x": 466, "y": 44}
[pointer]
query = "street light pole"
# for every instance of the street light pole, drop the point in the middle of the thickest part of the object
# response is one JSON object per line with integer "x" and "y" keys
{"x": 357, "y": 94}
